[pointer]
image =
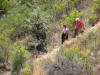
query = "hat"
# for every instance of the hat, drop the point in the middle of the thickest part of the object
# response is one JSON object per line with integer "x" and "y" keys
{"x": 77, "y": 19}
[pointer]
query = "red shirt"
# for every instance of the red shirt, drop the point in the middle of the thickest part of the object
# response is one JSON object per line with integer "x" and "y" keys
{"x": 79, "y": 25}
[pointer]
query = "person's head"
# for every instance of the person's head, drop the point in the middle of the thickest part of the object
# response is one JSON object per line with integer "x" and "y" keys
{"x": 76, "y": 19}
{"x": 64, "y": 26}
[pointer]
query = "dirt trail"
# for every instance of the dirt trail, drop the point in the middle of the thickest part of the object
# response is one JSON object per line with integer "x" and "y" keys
{"x": 5, "y": 73}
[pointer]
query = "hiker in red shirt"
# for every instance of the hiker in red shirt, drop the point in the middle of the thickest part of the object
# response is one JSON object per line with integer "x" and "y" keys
{"x": 78, "y": 26}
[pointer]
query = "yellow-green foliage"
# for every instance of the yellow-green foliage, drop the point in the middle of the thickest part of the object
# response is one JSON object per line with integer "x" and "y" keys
{"x": 5, "y": 45}
{"x": 74, "y": 53}
{"x": 25, "y": 71}
{"x": 87, "y": 64}
{"x": 91, "y": 41}
{"x": 59, "y": 6}
{"x": 96, "y": 5}
{"x": 4, "y": 5}
{"x": 71, "y": 53}
{"x": 92, "y": 17}
{"x": 19, "y": 56}
{"x": 16, "y": 19}
{"x": 70, "y": 20}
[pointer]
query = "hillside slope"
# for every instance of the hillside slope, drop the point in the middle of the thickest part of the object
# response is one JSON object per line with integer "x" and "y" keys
{"x": 36, "y": 29}
{"x": 52, "y": 54}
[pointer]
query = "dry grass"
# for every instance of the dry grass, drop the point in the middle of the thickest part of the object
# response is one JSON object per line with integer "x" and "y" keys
{"x": 38, "y": 69}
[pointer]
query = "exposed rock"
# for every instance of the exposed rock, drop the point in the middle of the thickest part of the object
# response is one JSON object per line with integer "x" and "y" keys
{"x": 63, "y": 66}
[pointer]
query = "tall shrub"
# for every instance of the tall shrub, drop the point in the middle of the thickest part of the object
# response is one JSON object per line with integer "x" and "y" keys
{"x": 19, "y": 56}
{"x": 5, "y": 46}
{"x": 4, "y": 5}
{"x": 38, "y": 29}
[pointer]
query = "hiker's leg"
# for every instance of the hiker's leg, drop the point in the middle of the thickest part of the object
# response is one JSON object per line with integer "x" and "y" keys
{"x": 76, "y": 33}
{"x": 81, "y": 31}
{"x": 66, "y": 36}
{"x": 62, "y": 38}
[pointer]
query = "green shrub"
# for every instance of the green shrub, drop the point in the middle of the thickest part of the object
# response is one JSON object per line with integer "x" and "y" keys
{"x": 19, "y": 56}
{"x": 87, "y": 64}
{"x": 75, "y": 54}
{"x": 70, "y": 20}
{"x": 25, "y": 71}
{"x": 93, "y": 43}
{"x": 4, "y": 5}
{"x": 71, "y": 53}
{"x": 96, "y": 5}
{"x": 59, "y": 5}
{"x": 5, "y": 46}
{"x": 37, "y": 31}
{"x": 88, "y": 40}
{"x": 92, "y": 18}
{"x": 16, "y": 20}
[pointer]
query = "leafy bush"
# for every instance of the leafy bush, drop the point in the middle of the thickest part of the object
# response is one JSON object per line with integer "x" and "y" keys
{"x": 87, "y": 64}
{"x": 5, "y": 46}
{"x": 4, "y": 5}
{"x": 16, "y": 20}
{"x": 61, "y": 7}
{"x": 94, "y": 44}
{"x": 91, "y": 41}
{"x": 75, "y": 54}
{"x": 70, "y": 20}
{"x": 19, "y": 56}
{"x": 37, "y": 29}
{"x": 71, "y": 53}
{"x": 96, "y": 4}
{"x": 25, "y": 71}
{"x": 93, "y": 18}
